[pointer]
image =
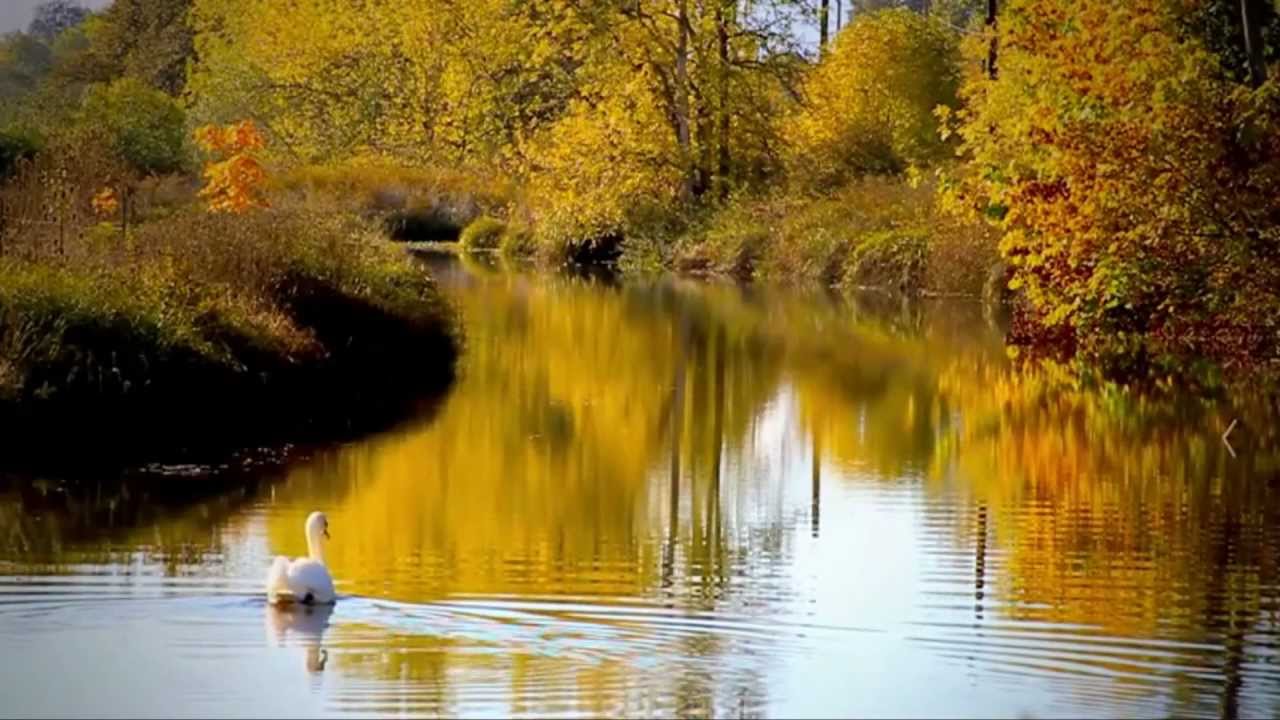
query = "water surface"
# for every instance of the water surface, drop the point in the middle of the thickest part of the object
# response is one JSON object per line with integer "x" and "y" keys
{"x": 668, "y": 498}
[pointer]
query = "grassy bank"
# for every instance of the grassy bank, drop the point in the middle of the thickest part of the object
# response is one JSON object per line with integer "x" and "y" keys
{"x": 871, "y": 233}
{"x": 197, "y": 332}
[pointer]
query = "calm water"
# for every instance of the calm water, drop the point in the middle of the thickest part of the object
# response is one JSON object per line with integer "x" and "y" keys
{"x": 679, "y": 499}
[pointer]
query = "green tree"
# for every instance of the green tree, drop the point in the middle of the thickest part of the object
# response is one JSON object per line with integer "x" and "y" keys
{"x": 146, "y": 127}
{"x": 24, "y": 63}
{"x": 150, "y": 40}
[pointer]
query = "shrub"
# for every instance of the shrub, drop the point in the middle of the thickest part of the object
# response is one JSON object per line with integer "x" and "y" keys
{"x": 813, "y": 236}
{"x": 16, "y": 145}
{"x": 730, "y": 243}
{"x": 894, "y": 258}
{"x": 484, "y": 233}
{"x": 453, "y": 196}
{"x": 206, "y": 286}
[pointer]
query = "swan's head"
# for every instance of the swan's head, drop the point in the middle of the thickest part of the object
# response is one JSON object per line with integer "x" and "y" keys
{"x": 317, "y": 527}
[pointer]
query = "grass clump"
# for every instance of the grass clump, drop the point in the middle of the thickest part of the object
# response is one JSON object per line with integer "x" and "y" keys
{"x": 484, "y": 233}
{"x": 516, "y": 241}
{"x": 893, "y": 258}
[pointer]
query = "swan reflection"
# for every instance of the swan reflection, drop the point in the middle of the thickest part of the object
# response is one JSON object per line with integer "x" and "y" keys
{"x": 301, "y": 625}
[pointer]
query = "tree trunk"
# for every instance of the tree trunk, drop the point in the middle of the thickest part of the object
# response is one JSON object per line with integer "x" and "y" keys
{"x": 1251, "y": 15}
{"x": 823, "y": 7}
{"x": 704, "y": 128}
{"x": 839, "y": 15}
{"x": 682, "y": 98}
{"x": 993, "y": 47}
{"x": 722, "y": 42}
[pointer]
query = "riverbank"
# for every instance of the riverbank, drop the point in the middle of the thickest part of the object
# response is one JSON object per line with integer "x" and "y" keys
{"x": 873, "y": 232}
{"x": 197, "y": 333}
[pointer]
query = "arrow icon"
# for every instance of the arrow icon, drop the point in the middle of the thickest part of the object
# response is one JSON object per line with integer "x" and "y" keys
{"x": 1226, "y": 442}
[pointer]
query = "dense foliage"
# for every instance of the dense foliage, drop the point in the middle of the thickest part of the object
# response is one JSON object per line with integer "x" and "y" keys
{"x": 870, "y": 103}
{"x": 1136, "y": 182}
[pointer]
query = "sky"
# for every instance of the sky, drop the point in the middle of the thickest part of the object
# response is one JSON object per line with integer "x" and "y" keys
{"x": 16, "y": 14}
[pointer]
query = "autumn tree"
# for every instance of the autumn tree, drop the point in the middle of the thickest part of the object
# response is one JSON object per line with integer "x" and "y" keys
{"x": 429, "y": 82}
{"x": 677, "y": 96}
{"x": 1135, "y": 181}
{"x": 869, "y": 105}
{"x": 234, "y": 176}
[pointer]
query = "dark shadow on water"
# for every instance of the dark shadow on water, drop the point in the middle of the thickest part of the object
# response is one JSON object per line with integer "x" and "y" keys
{"x": 423, "y": 225}
{"x": 51, "y": 515}
{"x": 602, "y": 274}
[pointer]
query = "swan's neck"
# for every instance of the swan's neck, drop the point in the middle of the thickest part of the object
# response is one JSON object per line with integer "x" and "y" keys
{"x": 315, "y": 549}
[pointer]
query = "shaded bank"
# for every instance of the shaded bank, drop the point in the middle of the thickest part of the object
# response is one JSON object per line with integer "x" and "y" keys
{"x": 199, "y": 335}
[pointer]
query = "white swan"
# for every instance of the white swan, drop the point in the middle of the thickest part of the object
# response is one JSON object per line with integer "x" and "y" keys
{"x": 305, "y": 580}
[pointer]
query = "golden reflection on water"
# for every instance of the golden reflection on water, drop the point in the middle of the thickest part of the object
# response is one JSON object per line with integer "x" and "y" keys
{"x": 636, "y": 474}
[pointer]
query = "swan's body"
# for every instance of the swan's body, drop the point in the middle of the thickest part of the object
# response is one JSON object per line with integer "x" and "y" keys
{"x": 305, "y": 580}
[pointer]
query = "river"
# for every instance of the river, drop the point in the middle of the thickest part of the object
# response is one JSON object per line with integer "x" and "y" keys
{"x": 670, "y": 498}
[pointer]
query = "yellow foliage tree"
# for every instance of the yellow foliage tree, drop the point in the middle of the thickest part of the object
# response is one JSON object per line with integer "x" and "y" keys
{"x": 428, "y": 82}
{"x": 869, "y": 105}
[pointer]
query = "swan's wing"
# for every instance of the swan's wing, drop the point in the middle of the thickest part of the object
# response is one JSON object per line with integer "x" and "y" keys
{"x": 278, "y": 588}
{"x": 309, "y": 581}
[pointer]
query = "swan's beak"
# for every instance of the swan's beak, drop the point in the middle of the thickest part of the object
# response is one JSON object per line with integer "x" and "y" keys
{"x": 326, "y": 533}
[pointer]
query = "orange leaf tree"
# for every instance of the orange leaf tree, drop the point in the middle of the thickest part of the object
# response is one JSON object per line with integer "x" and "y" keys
{"x": 105, "y": 201}
{"x": 234, "y": 183}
